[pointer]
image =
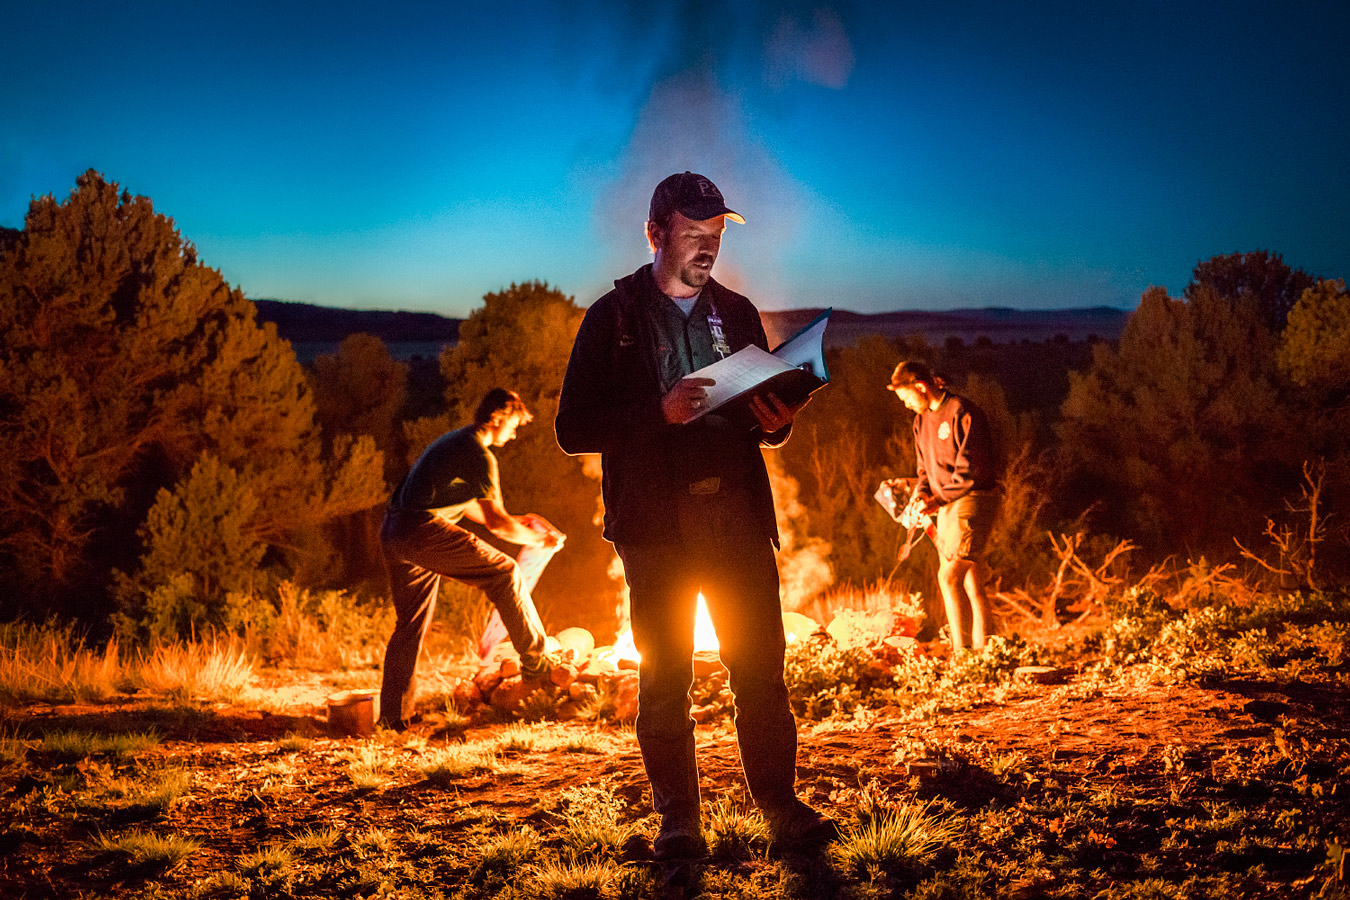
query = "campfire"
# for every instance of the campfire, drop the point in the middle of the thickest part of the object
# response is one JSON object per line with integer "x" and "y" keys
{"x": 591, "y": 677}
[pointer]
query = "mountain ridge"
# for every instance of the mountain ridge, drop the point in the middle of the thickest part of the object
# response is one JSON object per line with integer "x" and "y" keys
{"x": 313, "y": 324}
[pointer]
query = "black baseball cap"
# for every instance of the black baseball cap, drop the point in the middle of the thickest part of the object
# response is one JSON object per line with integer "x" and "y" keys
{"x": 692, "y": 196}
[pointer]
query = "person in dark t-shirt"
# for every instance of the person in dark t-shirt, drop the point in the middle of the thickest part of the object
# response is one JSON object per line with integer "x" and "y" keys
{"x": 957, "y": 479}
{"x": 456, "y": 478}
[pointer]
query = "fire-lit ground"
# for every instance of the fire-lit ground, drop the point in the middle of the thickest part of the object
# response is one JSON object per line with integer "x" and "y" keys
{"x": 1080, "y": 789}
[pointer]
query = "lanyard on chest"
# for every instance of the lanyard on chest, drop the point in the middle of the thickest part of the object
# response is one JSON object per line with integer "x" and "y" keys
{"x": 719, "y": 338}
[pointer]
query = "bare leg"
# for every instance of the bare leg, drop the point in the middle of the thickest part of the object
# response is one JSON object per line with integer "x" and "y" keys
{"x": 949, "y": 581}
{"x": 979, "y": 603}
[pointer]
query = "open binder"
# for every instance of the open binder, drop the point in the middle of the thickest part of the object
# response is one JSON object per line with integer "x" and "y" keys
{"x": 793, "y": 371}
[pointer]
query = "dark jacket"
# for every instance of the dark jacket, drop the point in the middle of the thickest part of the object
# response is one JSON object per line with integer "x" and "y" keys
{"x": 954, "y": 450}
{"x": 611, "y": 405}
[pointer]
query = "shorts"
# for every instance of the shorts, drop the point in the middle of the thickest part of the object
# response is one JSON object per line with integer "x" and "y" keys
{"x": 964, "y": 525}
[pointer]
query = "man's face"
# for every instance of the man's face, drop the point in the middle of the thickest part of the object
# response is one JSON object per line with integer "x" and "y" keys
{"x": 914, "y": 396}
{"x": 505, "y": 431}
{"x": 687, "y": 249}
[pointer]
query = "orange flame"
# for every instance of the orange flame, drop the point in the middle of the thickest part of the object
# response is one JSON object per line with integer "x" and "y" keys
{"x": 796, "y": 627}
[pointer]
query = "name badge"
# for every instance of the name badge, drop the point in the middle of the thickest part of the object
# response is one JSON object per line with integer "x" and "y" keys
{"x": 720, "y": 345}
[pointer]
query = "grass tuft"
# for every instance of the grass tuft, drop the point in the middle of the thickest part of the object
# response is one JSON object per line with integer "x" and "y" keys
{"x": 564, "y": 879}
{"x": 452, "y": 763}
{"x": 321, "y": 840}
{"x": 51, "y": 664}
{"x": 368, "y": 768}
{"x": 592, "y": 823}
{"x": 377, "y": 842}
{"x": 202, "y": 671}
{"x": 506, "y": 853}
{"x": 75, "y": 745}
{"x": 733, "y": 831}
{"x": 145, "y": 851}
{"x": 896, "y": 837}
{"x": 150, "y": 798}
{"x": 13, "y": 749}
{"x": 293, "y": 742}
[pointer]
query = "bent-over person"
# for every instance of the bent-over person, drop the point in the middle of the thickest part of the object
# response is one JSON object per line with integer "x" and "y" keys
{"x": 457, "y": 478}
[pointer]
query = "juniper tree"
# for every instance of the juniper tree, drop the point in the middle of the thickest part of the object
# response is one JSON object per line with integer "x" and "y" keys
{"x": 1179, "y": 433}
{"x": 1260, "y": 277}
{"x": 123, "y": 360}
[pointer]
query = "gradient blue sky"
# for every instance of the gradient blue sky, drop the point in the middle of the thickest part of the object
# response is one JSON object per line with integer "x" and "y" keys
{"x": 885, "y": 155}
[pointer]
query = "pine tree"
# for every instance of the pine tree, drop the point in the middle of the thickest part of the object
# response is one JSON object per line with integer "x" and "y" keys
{"x": 1180, "y": 432}
{"x": 123, "y": 363}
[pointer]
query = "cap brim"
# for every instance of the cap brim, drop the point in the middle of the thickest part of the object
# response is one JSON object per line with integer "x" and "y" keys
{"x": 711, "y": 211}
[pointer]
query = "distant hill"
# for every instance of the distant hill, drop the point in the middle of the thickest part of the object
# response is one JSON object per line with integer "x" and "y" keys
{"x": 999, "y": 324}
{"x": 309, "y": 323}
{"x": 314, "y": 329}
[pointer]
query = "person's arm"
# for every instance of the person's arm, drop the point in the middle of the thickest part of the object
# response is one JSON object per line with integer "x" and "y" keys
{"x": 597, "y": 413}
{"x": 490, "y": 513}
{"x": 773, "y": 415}
{"x": 922, "y": 488}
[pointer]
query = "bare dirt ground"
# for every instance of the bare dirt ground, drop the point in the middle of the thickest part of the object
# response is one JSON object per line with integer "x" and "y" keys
{"x": 1144, "y": 745}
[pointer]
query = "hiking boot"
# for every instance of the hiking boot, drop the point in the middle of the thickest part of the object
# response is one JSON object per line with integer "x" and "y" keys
{"x": 539, "y": 668}
{"x": 799, "y": 827}
{"x": 400, "y": 725}
{"x": 680, "y": 837}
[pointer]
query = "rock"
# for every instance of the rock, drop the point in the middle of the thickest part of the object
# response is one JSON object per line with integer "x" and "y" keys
{"x": 563, "y": 675}
{"x": 578, "y": 691}
{"x": 578, "y": 640}
{"x": 1041, "y": 674}
{"x": 510, "y": 667}
{"x": 707, "y": 713}
{"x": 595, "y": 669}
{"x": 626, "y": 698}
{"x": 567, "y": 710}
{"x": 927, "y": 768}
{"x": 487, "y": 679}
{"x": 467, "y": 694}
{"x": 797, "y": 627}
{"x": 551, "y": 645}
{"x": 706, "y": 662}
{"x": 902, "y": 642}
{"x": 510, "y": 694}
{"x": 851, "y": 628}
{"x": 630, "y": 665}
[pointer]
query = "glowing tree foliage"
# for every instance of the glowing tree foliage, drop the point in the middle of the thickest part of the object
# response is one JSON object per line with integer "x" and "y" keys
{"x": 1315, "y": 350}
{"x": 361, "y": 389}
{"x": 123, "y": 362}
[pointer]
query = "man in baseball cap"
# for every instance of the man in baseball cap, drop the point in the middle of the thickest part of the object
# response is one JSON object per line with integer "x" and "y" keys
{"x": 690, "y": 195}
{"x": 689, "y": 510}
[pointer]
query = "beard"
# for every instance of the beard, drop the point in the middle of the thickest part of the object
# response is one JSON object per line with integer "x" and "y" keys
{"x": 695, "y": 276}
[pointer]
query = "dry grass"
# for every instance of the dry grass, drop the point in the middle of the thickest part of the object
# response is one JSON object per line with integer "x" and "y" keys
{"x": 52, "y": 664}
{"x": 205, "y": 671}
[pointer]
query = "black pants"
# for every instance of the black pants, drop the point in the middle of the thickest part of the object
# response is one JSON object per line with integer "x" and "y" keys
{"x": 733, "y": 566}
{"x": 418, "y": 549}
